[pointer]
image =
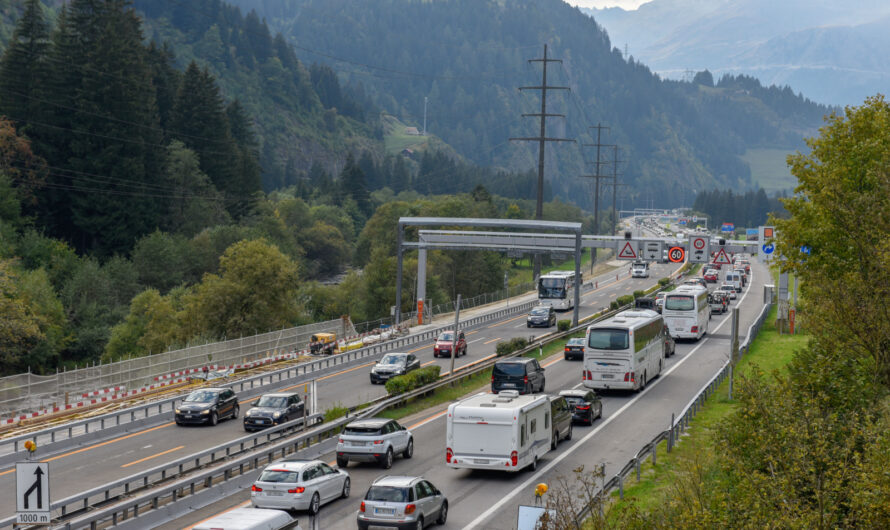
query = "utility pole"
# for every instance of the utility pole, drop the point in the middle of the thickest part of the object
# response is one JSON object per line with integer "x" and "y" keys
{"x": 542, "y": 139}
{"x": 615, "y": 185}
{"x": 597, "y": 175}
{"x": 424, "y": 115}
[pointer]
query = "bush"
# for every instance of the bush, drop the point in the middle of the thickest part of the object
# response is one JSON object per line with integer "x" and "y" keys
{"x": 664, "y": 281}
{"x": 335, "y": 412}
{"x": 510, "y": 346}
{"x": 625, "y": 300}
{"x": 412, "y": 380}
{"x": 639, "y": 294}
{"x": 614, "y": 305}
{"x": 563, "y": 325}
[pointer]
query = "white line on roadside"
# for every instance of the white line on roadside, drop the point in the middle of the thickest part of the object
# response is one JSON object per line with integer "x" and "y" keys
{"x": 477, "y": 340}
{"x": 487, "y": 513}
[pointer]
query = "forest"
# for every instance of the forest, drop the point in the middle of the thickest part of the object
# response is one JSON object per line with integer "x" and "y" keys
{"x": 749, "y": 209}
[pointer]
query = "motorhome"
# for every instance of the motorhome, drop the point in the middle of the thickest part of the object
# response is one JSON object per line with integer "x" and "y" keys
{"x": 503, "y": 432}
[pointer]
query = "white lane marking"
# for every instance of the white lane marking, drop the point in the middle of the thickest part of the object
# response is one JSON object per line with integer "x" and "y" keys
{"x": 487, "y": 513}
{"x": 477, "y": 340}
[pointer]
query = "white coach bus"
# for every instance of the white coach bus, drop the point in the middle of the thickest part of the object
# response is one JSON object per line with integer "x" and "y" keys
{"x": 557, "y": 289}
{"x": 625, "y": 351}
{"x": 686, "y": 312}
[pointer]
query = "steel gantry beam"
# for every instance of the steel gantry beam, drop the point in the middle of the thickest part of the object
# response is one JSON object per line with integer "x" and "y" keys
{"x": 427, "y": 239}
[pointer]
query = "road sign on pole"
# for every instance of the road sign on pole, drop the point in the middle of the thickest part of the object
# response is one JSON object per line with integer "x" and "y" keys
{"x": 699, "y": 249}
{"x": 32, "y": 493}
{"x": 628, "y": 250}
{"x": 677, "y": 254}
{"x": 768, "y": 248}
{"x": 722, "y": 258}
{"x": 653, "y": 250}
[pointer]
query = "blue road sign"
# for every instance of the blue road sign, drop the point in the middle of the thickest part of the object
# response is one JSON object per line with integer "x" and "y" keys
{"x": 768, "y": 248}
{"x": 805, "y": 250}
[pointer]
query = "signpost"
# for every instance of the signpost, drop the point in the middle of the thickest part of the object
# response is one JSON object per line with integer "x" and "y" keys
{"x": 32, "y": 493}
{"x": 699, "y": 249}
{"x": 727, "y": 227}
{"x": 677, "y": 254}
{"x": 768, "y": 248}
{"x": 628, "y": 250}
{"x": 653, "y": 250}
{"x": 721, "y": 258}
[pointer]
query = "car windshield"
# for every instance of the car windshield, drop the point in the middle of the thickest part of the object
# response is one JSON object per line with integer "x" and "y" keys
{"x": 574, "y": 400}
{"x": 726, "y": 288}
{"x": 276, "y": 402}
{"x": 540, "y": 311}
{"x": 200, "y": 397}
{"x": 508, "y": 369}
{"x": 446, "y": 337}
{"x": 393, "y": 359}
{"x": 679, "y": 303}
{"x": 576, "y": 342}
{"x": 278, "y": 475}
{"x": 387, "y": 494}
{"x": 362, "y": 431}
{"x": 608, "y": 339}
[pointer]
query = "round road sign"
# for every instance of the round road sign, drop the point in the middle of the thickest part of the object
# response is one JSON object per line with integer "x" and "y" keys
{"x": 677, "y": 254}
{"x": 698, "y": 243}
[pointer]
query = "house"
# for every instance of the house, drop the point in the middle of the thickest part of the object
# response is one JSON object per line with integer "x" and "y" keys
{"x": 412, "y": 131}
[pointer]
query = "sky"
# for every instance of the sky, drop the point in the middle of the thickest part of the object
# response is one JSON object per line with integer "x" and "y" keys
{"x": 625, "y": 4}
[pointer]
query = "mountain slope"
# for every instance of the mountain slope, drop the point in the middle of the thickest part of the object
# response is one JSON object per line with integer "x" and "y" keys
{"x": 826, "y": 49}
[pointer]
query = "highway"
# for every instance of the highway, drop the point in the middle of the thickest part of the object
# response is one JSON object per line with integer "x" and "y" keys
{"x": 98, "y": 463}
{"x": 490, "y": 500}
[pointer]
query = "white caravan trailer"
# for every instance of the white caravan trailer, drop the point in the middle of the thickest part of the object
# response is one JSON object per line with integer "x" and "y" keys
{"x": 503, "y": 431}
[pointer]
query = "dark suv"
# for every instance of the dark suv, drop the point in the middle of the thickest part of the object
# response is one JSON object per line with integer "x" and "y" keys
{"x": 524, "y": 375}
{"x": 562, "y": 420}
{"x": 207, "y": 405}
{"x": 541, "y": 315}
{"x": 273, "y": 409}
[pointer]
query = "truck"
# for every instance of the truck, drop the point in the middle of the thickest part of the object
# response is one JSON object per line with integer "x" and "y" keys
{"x": 503, "y": 432}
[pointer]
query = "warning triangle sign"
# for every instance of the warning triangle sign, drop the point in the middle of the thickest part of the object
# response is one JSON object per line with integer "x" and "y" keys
{"x": 628, "y": 251}
{"x": 721, "y": 258}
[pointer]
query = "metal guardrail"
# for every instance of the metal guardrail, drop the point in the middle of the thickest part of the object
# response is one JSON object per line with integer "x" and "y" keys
{"x": 678, "y": 425}
{"x": 89, "y": 429}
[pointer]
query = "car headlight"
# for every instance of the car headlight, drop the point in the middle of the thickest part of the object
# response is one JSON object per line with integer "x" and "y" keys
{"x": 177, "y": 411}
{"x": 276, "y": 415}
{"x": 206, "y": 411}
{"x": 249, "y": 412}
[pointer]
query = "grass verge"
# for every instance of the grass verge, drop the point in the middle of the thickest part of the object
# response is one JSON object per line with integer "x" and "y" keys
{"x": 769, "y": 351}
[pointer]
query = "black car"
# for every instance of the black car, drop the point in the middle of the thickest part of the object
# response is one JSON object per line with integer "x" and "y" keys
{"x": 274, "y": 409}
{"x": 542, "y": 315}
{"x": 586, "y": 405}
{"x": 670, "y": 345}
{"x": 645, "y": 302}
{"x": 208, "y": 405}
{"x": 562, "y": 420}
{"x": 574, "y": 349}
{"x": 393, "y": 364}
{"x": 524, "y": 375}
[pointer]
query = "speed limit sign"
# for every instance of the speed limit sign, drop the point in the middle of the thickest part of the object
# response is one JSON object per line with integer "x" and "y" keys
{"x": 677, "y": 254}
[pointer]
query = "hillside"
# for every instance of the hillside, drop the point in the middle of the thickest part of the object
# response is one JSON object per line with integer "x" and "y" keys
{"x": 469, "y": 57}
{"x": 833, "y": 52}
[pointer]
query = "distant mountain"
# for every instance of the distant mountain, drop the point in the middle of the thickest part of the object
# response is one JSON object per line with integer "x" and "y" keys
{"x": 833, "y": 52}
{"x": 468, "y": 57}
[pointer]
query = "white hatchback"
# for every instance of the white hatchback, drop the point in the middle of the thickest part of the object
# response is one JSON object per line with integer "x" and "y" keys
{"x": 294, "y": 484}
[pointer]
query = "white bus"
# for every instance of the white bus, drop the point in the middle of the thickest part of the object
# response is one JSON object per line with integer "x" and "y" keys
{"x": 625, "y": 351}
{"x": 686, "y": 312}
{"x": 557, "y": 289}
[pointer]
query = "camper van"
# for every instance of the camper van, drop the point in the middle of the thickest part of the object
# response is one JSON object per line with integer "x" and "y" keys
{"x": 504, "y": 431}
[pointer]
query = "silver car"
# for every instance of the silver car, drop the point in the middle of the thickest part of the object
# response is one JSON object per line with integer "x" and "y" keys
{"x": 294, "y": 484}
{"x": 374, "y": 440}
{"x": 402, "y": 502}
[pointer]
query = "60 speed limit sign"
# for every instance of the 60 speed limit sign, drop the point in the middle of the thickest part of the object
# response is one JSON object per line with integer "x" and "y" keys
{"x": 677, "y": 254}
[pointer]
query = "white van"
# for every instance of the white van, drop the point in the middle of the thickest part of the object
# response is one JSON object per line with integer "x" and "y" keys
{"x": 735, "y": 279}
{"x": 639, "y": 269}
{"x": 687, "y": 312}
{"x": 502, "y": 432}
{"x": 250, "y": 519}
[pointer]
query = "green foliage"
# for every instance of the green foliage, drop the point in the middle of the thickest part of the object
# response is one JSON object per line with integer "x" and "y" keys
{"x": 749, "y": 209}
{"x": 614, "y": 305}
{"x": 413, "y": 379}
{"x": 507, "y": 347}
{"x": 638, "y": 294}
{"x": 335, "y": 412}
{"x": 664, "y": 281}
{"x": 564, "y": 325}
{"x": 625, "y": 300}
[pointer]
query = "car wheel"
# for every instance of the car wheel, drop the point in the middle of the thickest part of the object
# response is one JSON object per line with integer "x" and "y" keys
{"x": 214, "y": 419}
{"x": 590, "y": 418}
{"x": 543, "y": 381}
{"x": 409, "y": 451}
{"x": 555, "y": 441}
{"x": 419, "y": 523}
{"x": 643, "y": 382}
{"x": 569, "y": 434}
{"x": 235, "y": 412}
{"x": 600, "y": 413}
{"x": 534, "y": 465}
{"x": 342, "y": 462}
{"x": 387, "y": 459}
{"x": 314, "y": 504}
{"x": 346, "y": 487}
{"x": 528, "y": 325}
{"x": 443, "y": 513}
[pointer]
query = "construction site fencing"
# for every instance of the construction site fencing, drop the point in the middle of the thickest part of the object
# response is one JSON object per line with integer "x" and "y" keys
{"x": 24, "y": 393}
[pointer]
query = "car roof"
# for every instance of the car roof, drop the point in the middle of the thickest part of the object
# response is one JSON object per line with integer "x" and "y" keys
{"x": 395, "y": 480}
{"x": 281, "y": 394}
{"x": 292, "y": 465}
{"x": 370, "y": 422}
{"x": 577, "y": 339}
{"x": 515, "y": 360}
{"x": 211, "y": 389}
{"x": 573, "y": 393}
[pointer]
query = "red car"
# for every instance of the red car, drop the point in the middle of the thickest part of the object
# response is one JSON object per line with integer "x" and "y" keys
{"x": 711, "y": 276}
{"x": 445, "y": 344}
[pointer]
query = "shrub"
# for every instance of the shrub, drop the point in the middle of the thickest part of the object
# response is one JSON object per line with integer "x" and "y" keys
{"x": 334, "y": 412}
{"x": 639, "y": 294}
{"x": 625, "y": 300}
{"x": 412, "y": 380}
{"x": 613, "y": 304}
{"x": 563, "y": 325}
{"x": 664, "y": 281}
{"x": 510, "y": 346}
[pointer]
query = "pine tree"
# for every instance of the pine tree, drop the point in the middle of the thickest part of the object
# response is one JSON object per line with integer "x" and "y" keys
{"x": 24, "y": 68}
{"x": 249, "y": 179}
{"x": 352, "y": 184}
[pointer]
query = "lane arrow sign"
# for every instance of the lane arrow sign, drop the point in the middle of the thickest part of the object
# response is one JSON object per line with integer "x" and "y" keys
{"x": 38, "y": 485}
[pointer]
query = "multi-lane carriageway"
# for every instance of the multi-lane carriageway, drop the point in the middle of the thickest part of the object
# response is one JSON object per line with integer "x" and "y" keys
{"x": 99, "y": 463}
{"x": 489, "y": 500}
